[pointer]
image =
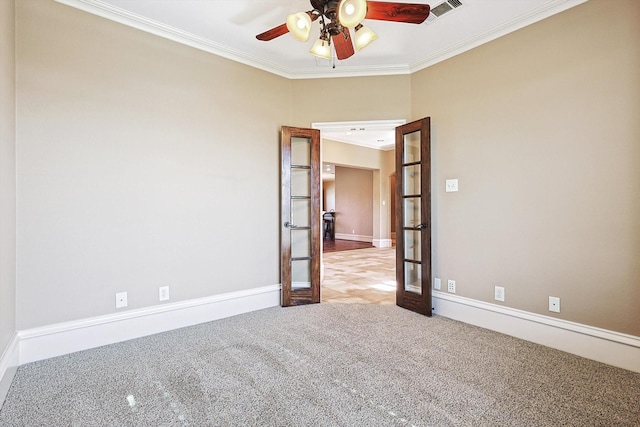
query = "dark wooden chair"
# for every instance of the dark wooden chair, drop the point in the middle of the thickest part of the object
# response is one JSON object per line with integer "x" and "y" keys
{"x": 329, "y": 221}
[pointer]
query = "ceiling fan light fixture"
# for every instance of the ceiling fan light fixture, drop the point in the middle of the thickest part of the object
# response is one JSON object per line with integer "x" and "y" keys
{"x": 364, "y": 36}
{"x": 321, "y": 48}
{"x": 351, "y": 12}
{"x": 299, "y": 25}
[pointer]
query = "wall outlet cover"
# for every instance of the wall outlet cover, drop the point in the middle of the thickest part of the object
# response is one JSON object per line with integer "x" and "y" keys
{"x": 121, "y": 299}
{"x": 163, "y": 293}
{"x": 451, "y": 185}
{"x": 554, "y": 304}
{"x": 451, "y": 286}
{"x": 499, "y": 293}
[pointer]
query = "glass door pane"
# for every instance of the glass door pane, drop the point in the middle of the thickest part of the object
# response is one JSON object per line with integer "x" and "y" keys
{"x": 412, "y": 215}
{"x": 300, "y": 212}
{"x": 411, "y": 218}
{"x": 411, "y": 180}
{"x": 300, "y": 151}
{"x": 411, "y": 148}
{"x": 412, "y": 278}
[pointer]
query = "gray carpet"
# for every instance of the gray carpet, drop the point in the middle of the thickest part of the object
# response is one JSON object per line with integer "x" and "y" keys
{"x": 323, "y": 365}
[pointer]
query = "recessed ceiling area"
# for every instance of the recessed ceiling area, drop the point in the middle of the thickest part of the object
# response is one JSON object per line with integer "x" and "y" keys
{"x": 228, "y": 28}
{"x": 328, "y": 172}
{"x": 377, "y": 134}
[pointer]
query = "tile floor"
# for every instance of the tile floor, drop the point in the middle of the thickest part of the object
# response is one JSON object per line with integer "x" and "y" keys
{"x": 365, "y": 276}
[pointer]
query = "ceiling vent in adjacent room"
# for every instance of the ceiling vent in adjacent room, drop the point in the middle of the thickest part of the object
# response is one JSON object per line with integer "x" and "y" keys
{"x": 443, "y": 8}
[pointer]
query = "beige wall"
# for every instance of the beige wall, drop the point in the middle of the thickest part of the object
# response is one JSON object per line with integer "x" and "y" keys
{"x": 387, "y": 168}
{"x": 354, "y": 201}
{"x": 378, "y": 161}
{"x": 541, "y": 128}
{"x": 329, "y": 195}
{"x": 350, "y": 99}
{"x": 7, "y": 175}
{"x": 139, "y": 161}
{"x": 351, "y": 155}
{"x": 135, "y": 154}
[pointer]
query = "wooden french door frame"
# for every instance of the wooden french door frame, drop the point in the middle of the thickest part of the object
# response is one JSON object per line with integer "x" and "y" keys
{"x": 413, "y": 216}
{"x": 300, "y": 216}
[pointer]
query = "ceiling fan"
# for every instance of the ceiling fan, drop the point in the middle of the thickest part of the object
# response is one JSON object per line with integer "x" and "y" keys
{"x": 338, "y": 16}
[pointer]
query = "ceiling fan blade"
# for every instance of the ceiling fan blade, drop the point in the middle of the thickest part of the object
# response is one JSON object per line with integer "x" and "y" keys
{"x": 412, "y": 13}
{"x": 273, "y": 33}
{"x": 281, "y": 29}
{"x": 343, "y": 44}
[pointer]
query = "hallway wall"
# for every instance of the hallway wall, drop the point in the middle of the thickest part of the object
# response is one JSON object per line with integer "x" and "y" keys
{"x": 354, "y": 202}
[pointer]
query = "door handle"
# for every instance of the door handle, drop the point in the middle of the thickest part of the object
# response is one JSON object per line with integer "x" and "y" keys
{"x": 422, "y": 226}
{"x": 289, "y": 225}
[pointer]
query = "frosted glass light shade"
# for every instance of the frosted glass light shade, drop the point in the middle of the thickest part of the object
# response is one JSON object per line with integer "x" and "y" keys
{"x": 351, "y": 12}
{"x": 364, "y": 36}
{"x": 299, "y": 25}
{"x": 321, "y": 49}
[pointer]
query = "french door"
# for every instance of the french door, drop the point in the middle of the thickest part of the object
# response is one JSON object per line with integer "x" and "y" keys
{"x": 300, "y": 216}
{"x": 413, "y": 216}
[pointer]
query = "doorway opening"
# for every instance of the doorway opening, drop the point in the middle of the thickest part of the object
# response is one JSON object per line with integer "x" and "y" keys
{"x": 359, "y": 263}
{"x": 301, "y": 219}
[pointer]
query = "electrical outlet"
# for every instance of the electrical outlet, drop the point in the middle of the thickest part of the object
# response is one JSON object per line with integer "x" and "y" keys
{"x": 554, "y": 304}
{"x": 451, "y": 185}
{"x": 121, "y": 299}
{"x": 451, "y": 286}
{"x": 163, "y": 293}
{"x": 437, "y": 283}
{"x": 499, "y": 293}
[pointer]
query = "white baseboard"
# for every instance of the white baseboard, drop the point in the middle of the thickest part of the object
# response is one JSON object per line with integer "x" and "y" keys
{"x": 355, "y": 237}
{"x": 64, "y": 338}
{"x": 31, "y": 345}
{"x": 8, "y": 366}
{"x": 605, "y": 346}
{"x": 382, "y": 243}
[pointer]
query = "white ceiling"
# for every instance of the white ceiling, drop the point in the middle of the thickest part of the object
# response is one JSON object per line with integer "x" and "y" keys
{"x": 228, "y": 28}
{"x": 378, "y": 134}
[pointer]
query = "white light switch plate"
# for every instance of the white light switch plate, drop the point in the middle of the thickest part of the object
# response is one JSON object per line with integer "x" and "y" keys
{"x": 451, "y": 185}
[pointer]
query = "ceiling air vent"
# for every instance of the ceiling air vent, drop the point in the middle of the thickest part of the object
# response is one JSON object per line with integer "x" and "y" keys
{"x": 442, "y": 8}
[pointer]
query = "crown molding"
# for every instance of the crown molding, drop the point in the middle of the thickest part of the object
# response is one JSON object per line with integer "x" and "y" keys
{"x": 545, "y": 11}
{"x": 121, "y": 16}
{"x": 346, "y": 71}
{"x": 107, "y": 11}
